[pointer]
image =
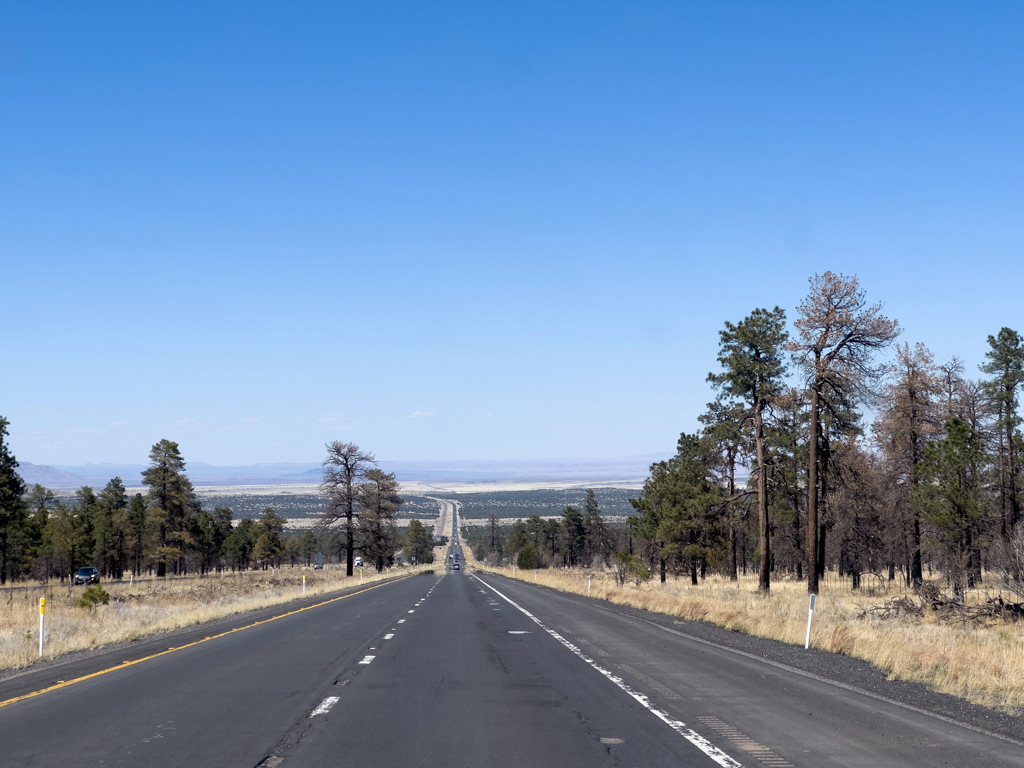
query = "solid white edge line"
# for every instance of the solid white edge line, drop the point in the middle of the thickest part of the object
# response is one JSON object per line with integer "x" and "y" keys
{"x": 679, "y": 727}
{"x": 325, "y": 706}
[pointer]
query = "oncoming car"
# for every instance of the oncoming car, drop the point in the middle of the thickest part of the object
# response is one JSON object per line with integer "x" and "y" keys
{"x": 87, "y": 576}
{"x": 455, "y": 567}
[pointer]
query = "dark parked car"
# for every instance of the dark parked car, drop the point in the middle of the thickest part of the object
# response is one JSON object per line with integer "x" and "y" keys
{"x": 87, "y": 576}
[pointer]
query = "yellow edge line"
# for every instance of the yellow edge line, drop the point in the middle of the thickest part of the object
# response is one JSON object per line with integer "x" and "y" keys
{"x": 126, "y": 664}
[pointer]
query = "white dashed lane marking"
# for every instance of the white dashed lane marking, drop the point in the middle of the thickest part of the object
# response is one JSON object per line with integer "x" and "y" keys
{"x": 401, "y": 621}
{"x": 367, "y": 659}
{"x": 325, "y": 706}
{"x": 388, "y": 636}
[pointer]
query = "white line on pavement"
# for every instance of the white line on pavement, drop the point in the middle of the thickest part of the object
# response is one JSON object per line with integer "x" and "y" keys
{"x": 689, "y": 734}
{"x": 325, "y": 706}
{"x": 388, "y": 636}
{"x": 367, "y": 659}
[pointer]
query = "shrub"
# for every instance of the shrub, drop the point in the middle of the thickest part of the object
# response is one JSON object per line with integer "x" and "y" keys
{"x": 93, "y": 596}
{"x": 629, "y": 566}
{"x": 528, "y": 559}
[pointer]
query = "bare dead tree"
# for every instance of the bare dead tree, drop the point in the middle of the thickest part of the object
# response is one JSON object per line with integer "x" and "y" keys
{"x": 838, "y": 335}
{"x": 343, "y": 470}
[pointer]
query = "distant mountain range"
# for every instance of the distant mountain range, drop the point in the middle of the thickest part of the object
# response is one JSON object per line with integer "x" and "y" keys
{"x": 625, "y": 469}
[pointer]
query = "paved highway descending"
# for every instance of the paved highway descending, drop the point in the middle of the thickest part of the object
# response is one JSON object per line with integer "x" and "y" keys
{"x": 460, "y": 670}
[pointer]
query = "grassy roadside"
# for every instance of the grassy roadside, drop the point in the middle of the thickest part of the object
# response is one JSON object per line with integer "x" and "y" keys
{"x": 980, "y": 664}
{"x": 151, "y": 606}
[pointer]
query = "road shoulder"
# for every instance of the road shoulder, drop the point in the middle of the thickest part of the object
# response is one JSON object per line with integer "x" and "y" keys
{"x": 850, "y": 673}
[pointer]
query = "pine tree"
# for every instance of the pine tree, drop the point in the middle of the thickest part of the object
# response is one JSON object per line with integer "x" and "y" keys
{"x": 751, "y": 355}
{"x": 12, "y": 508}
{"x": 1006, "y": 367}
{"x": 378, "y": 503}
{"x": 343, "y": 470}
{"x": 173, "y": 503}
{"x": 838, "y": 336}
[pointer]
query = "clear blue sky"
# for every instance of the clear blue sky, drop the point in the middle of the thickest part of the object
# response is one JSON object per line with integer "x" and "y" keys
{"x": 477, "y": 230}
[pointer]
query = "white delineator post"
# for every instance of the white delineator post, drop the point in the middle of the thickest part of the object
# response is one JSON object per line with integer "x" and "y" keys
{"x": 810, "y": 614}
{"x": 303, "y": 585}
{"x": 42, "y": 611}
{"x": 589, "y": 577}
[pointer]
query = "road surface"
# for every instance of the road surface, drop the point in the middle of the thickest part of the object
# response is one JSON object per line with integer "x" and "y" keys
{"x": 458, "y": 669}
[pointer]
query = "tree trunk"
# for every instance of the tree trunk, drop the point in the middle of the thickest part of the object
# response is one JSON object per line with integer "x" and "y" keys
{"x": 916, "y": 574}
{"x": 812, "y": 496}
{"x": 764, "y": 582}
{"x": 733, "y": 574}
{"x": 822, "y": 530}
{"x": 1014, "y": 502}
{"x": 349, "y": 533}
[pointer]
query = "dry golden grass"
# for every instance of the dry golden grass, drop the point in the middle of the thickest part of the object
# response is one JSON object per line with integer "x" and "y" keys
{"x": 982, "y": 665}
{"x": 150, "y": 606}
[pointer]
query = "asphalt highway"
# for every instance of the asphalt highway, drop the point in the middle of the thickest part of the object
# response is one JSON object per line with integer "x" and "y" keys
{"x": 463, "y": 669}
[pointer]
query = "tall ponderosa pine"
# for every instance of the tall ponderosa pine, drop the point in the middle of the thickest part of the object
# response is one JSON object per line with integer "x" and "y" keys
{"x": 750, "y": 353}
{"x": 838, "y": 336}
{"x": 574, "y": 535}
{"x": 907, "y": 420}
{"x": 379, "y": 502}
{"x": 343, "y": 470}
{"x": 172, "y": 505}
{"x": 1006, "y": 367}
{"x": 597, "y": 539}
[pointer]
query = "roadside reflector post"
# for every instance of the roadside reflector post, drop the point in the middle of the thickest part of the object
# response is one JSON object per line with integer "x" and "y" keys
{"x": 131, "y": 578}
{"x": 303, "y": 585}
{"x": 590, "y": 576}
{"x": 42, "y": 612}
{"x": 810, "y": 615}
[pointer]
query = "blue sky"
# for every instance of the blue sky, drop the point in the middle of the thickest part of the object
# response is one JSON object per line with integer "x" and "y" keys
{"x": 480, "y": 230}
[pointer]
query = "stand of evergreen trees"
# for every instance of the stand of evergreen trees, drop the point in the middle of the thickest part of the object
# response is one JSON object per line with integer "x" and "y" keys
{"x": 166, "y": 531}
{"x": 872, "y": 470}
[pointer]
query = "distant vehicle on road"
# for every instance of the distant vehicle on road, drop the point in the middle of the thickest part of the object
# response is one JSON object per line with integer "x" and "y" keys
{"x": 318, "y": 566}
{"x": 455, "y": 567}
{"x": 358, "y": 562}
{"x": 87, "y": 576}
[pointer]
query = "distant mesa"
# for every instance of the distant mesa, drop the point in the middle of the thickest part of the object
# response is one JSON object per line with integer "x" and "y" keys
{"x": 631, "y": 469}
{"x": 51, "y": 477}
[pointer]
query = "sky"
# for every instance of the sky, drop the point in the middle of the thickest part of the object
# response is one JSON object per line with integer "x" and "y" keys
{"x": 475, "y": 230}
